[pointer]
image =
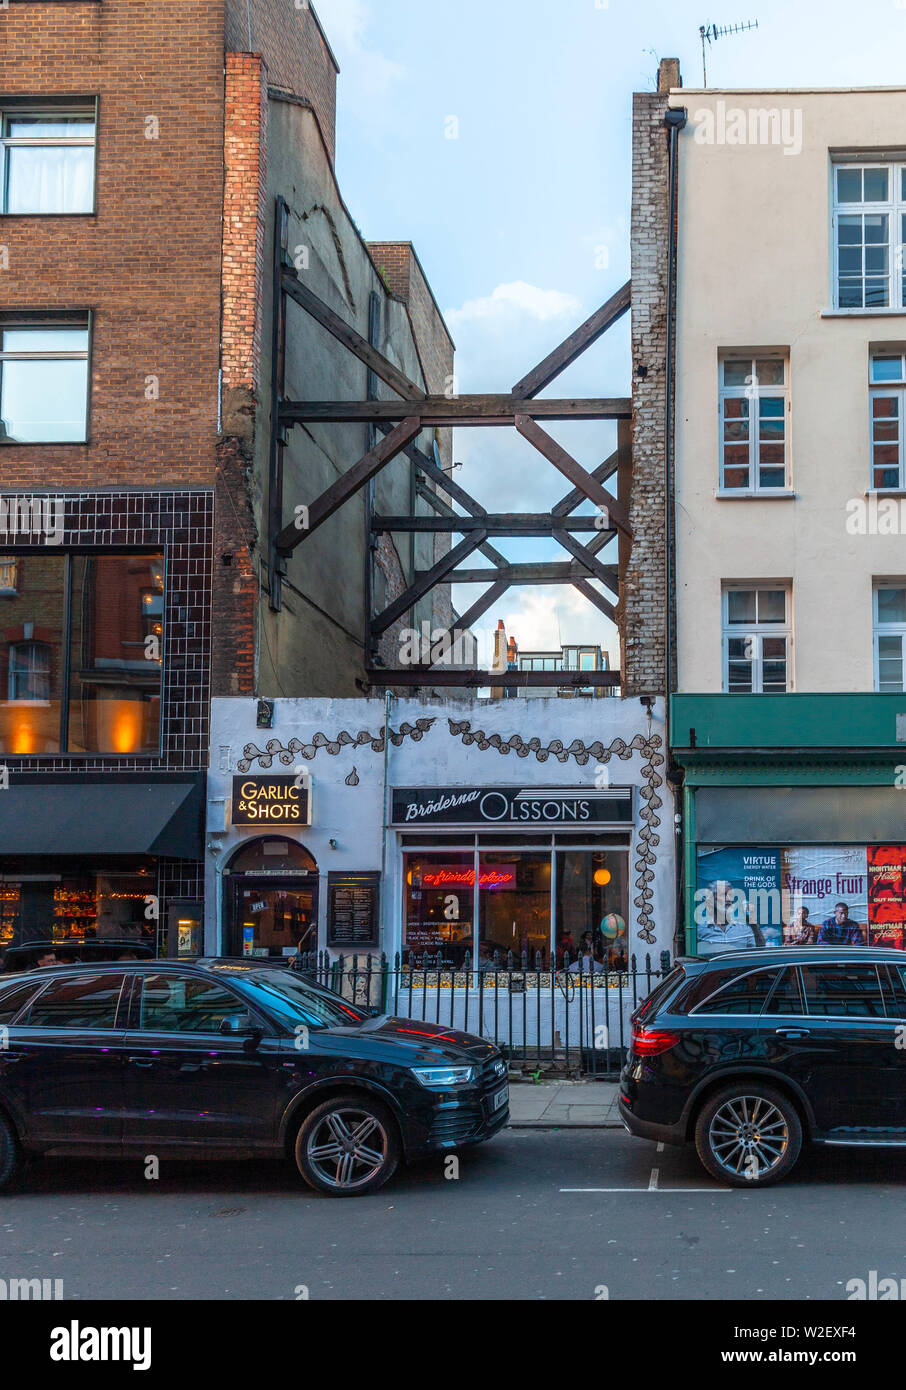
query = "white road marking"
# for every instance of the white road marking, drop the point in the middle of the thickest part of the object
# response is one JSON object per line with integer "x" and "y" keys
{"x": 661, "y": 1191}
{"x": 655, "y": 1174}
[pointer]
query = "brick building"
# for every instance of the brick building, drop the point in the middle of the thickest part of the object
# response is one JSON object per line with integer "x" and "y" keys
{"x": 144, "y": 148}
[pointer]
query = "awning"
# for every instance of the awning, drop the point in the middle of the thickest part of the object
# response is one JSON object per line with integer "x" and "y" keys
{"x": 74, "y": 815}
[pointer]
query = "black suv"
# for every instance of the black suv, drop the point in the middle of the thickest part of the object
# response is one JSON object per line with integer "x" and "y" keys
{"x": 751, "y": 1052}
{"x": 226, "y": 1058}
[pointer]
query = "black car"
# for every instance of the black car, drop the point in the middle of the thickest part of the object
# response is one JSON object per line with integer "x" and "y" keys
{"x": 751, "y": 1053}
{"x": 228, "y": 1058}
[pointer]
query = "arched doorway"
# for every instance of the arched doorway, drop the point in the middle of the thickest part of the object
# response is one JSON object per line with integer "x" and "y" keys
{"x": 271, "y": 899}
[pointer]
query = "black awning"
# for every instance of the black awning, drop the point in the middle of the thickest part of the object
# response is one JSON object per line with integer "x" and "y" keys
{"x": 101, "y": 816}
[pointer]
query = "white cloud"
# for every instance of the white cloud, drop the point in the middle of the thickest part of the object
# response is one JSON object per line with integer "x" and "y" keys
{"x": 365, "y": 72}
{"x": 511, "y": 302}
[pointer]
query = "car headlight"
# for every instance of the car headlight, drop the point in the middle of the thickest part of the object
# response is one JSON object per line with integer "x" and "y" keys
{"x": 438, "y": 1078}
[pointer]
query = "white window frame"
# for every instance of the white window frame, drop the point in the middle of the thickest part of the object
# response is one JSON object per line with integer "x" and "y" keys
{"x": 894, "y": 208}
{"x": 31, "y": 669}
{"x": 881, "y": 389}
{"x": 757, "y": 632}
{"x": 83, "y": 322}
{"x": 886, "y": 630}
{"x": 42, "y": 112}
{"x": 753, "y": 392}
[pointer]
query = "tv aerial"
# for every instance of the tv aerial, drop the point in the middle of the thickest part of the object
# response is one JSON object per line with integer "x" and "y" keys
{"x": 712, "y": 32}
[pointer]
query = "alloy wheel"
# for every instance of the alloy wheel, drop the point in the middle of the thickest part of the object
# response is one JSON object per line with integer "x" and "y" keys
{"x": 347, "y": 1148}
{"x": 748, "y": 1137}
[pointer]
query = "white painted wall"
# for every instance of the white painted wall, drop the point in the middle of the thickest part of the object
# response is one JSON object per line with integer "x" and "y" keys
{"x": 353, "y": 816}
{"x": 755, "y": 271}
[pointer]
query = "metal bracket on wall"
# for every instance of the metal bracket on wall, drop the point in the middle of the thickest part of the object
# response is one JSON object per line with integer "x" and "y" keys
{"x": 392, "y": 430}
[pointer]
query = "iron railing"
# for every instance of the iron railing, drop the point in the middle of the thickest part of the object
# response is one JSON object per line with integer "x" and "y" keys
{"x": 565, "y": 1020}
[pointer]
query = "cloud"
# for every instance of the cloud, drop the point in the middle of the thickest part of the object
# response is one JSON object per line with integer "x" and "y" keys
{"x": 367, "y": 74}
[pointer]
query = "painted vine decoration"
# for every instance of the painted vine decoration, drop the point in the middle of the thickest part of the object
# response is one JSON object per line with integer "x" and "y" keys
{"x": 650, "y": 746}
{"x": 295, "y": 749}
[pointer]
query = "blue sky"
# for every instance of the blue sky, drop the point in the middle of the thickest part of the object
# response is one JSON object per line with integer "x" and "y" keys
{"x": 522, "y": 222}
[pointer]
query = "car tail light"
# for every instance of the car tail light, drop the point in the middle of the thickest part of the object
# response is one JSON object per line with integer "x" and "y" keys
{"x": 650, "y": 1042}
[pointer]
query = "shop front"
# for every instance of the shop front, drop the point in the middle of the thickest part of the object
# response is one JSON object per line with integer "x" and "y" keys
{"x": 795, "y": 820}
{"x": 97, "y": 858}
{"x": 450, "y": 837}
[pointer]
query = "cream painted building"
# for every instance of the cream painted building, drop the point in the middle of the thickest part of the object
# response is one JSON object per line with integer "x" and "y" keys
{"x": 790, "y": 391}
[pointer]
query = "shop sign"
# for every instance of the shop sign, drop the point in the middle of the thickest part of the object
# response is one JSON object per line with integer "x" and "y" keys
{"x": 519, "y": 806}
{"x": 280, "y": 800}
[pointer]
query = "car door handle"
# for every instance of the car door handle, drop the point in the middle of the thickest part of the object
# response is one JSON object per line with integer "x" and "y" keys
{"x": 793, "y": 1032}
{"x": 143, "y": 1061}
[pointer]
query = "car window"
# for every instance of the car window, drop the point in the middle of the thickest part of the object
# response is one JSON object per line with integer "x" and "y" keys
{"x": 746, "y": 994}
{"x": 786, "y": 998}
{"x": 186, "y": 1004}
{"x": 843, "y": 991}
{"x": 662, "y": 990}
{"x": 88, "y": 1001}
{"x": 898, "y": 981}
{"x": 701, "y": 987}
{"x": 15, "y": 997}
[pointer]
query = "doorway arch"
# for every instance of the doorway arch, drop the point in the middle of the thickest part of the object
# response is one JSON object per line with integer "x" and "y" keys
{"x": 271, "y": 898}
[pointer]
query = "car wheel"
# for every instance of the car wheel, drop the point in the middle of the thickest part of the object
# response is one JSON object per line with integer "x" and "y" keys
{"x": 10, "y": 1153}
{"x": 348, "y": 1146}
{"x": 748, "y": 1135}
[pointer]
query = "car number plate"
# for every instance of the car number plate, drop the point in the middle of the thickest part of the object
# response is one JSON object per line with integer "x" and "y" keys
{"x": 501, "y": 1099}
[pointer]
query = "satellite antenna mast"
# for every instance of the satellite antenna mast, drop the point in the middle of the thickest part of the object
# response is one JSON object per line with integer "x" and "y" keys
{"x": 712, "y": 32}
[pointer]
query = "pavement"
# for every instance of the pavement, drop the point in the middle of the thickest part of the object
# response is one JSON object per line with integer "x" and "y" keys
{"x": 564, "y": 1104}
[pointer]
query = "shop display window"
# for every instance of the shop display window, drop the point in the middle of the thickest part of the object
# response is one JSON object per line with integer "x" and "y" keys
{"x": 81, "y": 905}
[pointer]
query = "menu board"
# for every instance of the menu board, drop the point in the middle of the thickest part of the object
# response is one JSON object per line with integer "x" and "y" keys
{"x": 353, "y": 901}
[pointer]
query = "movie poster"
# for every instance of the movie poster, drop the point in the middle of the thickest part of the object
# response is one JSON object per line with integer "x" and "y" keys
{"x": 815, "y": 880}
{"x": 887, "y": 895}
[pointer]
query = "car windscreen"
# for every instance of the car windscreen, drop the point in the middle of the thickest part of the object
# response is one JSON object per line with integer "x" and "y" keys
{"x": 663, "y": 989}
{"x": 295, "y": 1001}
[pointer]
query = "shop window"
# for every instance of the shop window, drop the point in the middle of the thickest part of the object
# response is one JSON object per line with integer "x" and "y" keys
{"x": 44, "y": 381}
{"x": 890, "y": 634}
{"x": 86, "y": 904}
{"x": 48, "y": 159}
{"x": 514, "y": 905}
{"x": 593, "y": 907}
{"x": 32, "y": 661}
{"x": 439, "y": 907}
{"x": 757, "y": 641}
{"x": 87, "y": 1002}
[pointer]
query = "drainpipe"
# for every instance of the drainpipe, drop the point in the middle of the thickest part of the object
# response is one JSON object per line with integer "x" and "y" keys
{"x": 387, "y": 885}
{"x": 675, "y": 120}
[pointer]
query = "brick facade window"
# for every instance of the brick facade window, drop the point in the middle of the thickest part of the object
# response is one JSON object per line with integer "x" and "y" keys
{"x": 44, "y": 380}
{"x": 48, "y": 159}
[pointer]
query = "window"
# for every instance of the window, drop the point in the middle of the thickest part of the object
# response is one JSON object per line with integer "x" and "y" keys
{"x": 890, "y": 634}
{"x": 7, "y": 576}
{"x": 746, "y": 994}
{"x": 843, "y": 991}
{"x": 887, "y": 391}
{"x": 29, "y": 671}
{"x": 87, "y": 1002}
{"x": 869, "y": 229}
{"x": 757, "y": 641}
{"x": 15, "y": 998}
{"x": 186, "y": 1004}
{"x": 754, "y": 404}
{"x": 44, "y": 383}
{"x": 101, "y": 692}
{"x": 48, "y": 160}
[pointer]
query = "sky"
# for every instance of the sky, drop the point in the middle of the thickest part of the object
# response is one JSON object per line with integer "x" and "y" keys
{"x": 521, "y": 220}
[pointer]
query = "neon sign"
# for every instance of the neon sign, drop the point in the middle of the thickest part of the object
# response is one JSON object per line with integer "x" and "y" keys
{"x": 465, "y": 878}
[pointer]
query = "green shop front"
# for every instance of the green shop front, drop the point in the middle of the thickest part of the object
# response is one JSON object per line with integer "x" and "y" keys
{"x": 794, "y": 819}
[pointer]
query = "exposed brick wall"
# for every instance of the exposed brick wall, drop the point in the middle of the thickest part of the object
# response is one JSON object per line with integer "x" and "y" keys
{"x": 244, "y": 197}
{"x": 295, "y": 51}
{"x": 403, "y": 275}
{"x": 642, "y": 604}
{"x": 148, "y": 262}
